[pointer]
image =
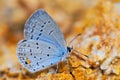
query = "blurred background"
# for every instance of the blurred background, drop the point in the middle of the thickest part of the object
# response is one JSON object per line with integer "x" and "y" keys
{"x": 73, "y": 17}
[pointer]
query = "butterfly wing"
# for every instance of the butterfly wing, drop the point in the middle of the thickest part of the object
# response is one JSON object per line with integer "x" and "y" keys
{"x": 40, "y": 26}
{"x": 37, "y": 55}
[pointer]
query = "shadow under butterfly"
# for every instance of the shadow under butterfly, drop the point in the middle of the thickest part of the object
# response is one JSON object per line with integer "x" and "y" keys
{"x": 44, "y": 44}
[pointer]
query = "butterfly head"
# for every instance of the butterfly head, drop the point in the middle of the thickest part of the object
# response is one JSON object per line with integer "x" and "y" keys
{"x": 69, "y": 49}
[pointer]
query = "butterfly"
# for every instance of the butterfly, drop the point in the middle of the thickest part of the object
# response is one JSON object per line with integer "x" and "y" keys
{"x": 44, "y": 44}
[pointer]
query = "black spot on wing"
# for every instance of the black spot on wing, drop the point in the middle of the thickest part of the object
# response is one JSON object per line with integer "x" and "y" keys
{"x": 32, "y": 37}
{"x": 63, "y": 53}
{"x": 42, "y": 26}
{"x": 36, "y": 43}
{"x": 23, "y": 41}
{"x": 44, "y": 22}
{"x": 33, "y": 69}
{"x": 40, "y": 58}
{"x": 37, "y": 47}
{"x": 50, "y": 32}
{"x": 28, "y": 45}
{"x": 34, "y": 56}
{"x": 21, "y": 58}
{"x": 19, "y": 54}
{"x": 43, "y": 66}
{"x": 40, "y": 34}
{"x": 47, "y": 54}
{"x": 41, "y": 30}
{"x": 48, "y": 21}
{"x": 37, "y": 38}
{"x": 26, "y": 62}
{"x": 51, "y": 63}
{"x": 49, "y": 47}
{"x": 30, "y": 50}
{"x": 37, "y": 63}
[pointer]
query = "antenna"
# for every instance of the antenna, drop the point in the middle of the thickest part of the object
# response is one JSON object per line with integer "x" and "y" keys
{"x": 74, "y": 38}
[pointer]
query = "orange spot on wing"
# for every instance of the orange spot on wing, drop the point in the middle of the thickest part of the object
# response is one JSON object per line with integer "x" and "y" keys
{"x": 28, "y": 61}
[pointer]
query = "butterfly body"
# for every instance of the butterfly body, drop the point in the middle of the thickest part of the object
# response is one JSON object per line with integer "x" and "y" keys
{"x": 44, "y": 44}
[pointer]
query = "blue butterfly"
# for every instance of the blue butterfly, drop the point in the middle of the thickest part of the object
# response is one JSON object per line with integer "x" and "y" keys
{"x": 44, "y": 44}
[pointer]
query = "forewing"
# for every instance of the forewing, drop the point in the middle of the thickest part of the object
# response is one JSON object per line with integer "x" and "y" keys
{"x": 37, "y": 55}
{"x": 40, "y": 26}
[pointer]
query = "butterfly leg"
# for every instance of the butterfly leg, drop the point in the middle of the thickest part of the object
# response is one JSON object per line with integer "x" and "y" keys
{"x": 68, "y": 65}
{"x": 57, "y": 66}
